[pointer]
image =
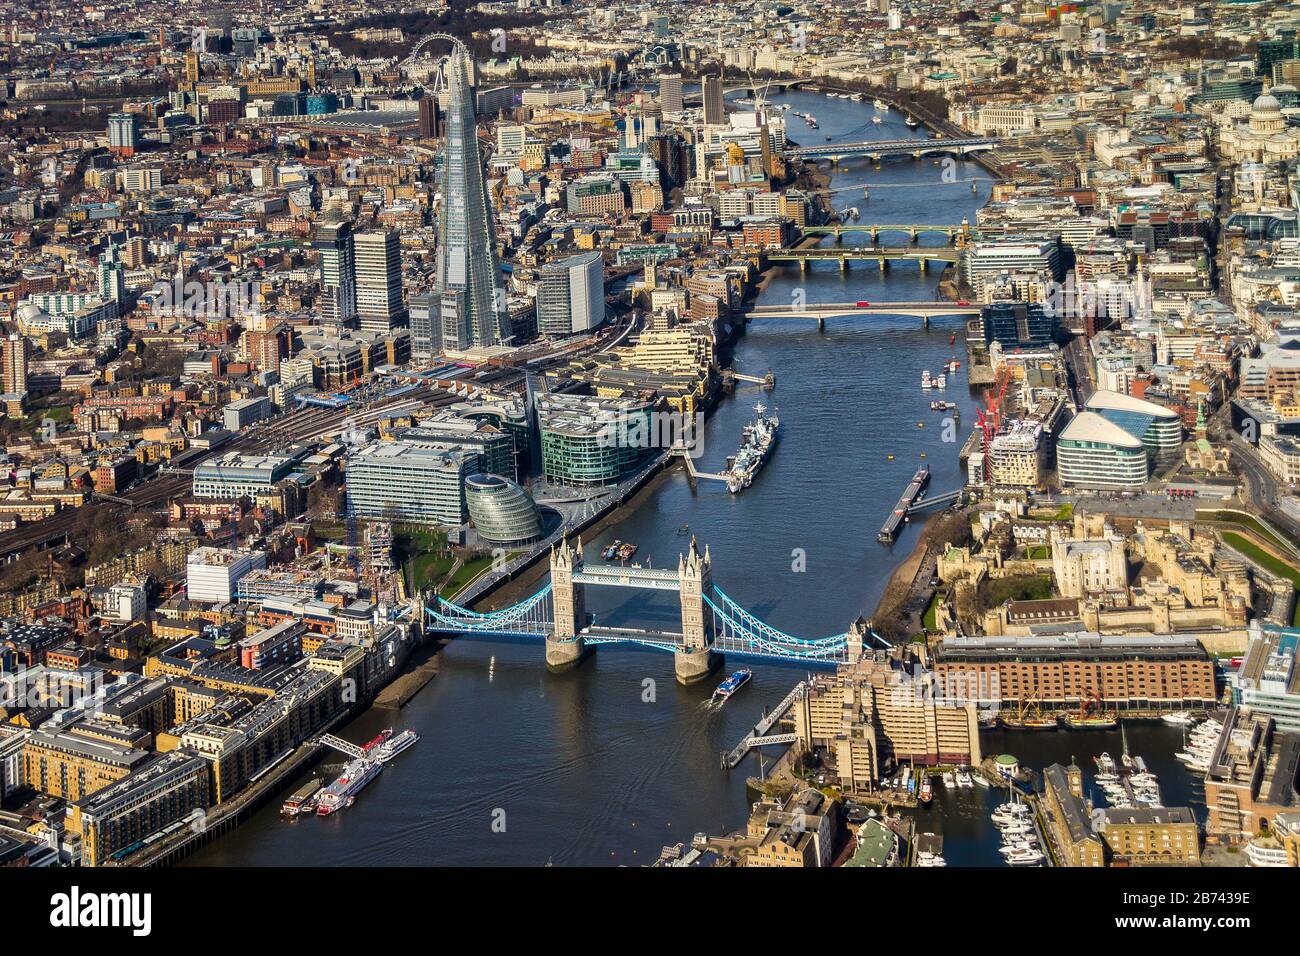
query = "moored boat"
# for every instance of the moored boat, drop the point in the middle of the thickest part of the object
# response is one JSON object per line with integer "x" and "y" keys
{"x": 394, "y": 746}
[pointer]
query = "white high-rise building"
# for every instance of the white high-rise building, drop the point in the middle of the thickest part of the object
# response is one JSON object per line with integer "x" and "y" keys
{"x": 571, "y": 295}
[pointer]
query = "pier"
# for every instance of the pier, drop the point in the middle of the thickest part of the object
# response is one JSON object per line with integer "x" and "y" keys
{"x": 889, "y": 531}
{"x": 757, "y": 737}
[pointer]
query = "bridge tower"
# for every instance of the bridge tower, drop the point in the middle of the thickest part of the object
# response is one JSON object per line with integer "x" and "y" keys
{"x": 695, "y": 659}
{"x": 564, "y": 645}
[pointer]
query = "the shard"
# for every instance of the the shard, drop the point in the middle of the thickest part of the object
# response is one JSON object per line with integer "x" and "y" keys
{"x": 471, "y": 297}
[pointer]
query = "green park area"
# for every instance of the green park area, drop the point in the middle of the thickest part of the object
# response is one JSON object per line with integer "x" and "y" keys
{"x": 1268, "y": 562}
{"x": 1250, "y": 523}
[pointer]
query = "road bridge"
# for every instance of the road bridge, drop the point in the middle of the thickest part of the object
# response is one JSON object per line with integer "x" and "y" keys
{"x": 712, "y": 623}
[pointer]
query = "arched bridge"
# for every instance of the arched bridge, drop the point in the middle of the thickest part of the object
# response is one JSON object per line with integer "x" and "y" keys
{"x": 875, "y": 149}
{"x": 712, "y": 623}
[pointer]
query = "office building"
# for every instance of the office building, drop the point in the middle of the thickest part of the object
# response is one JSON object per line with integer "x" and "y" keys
{"x": 380, "y": 306}
{"x": 596, "y": 194}
{"x": 473, "y": 309}
{"x": 571, "y": 295}
{"x": 502, "y": 512}
{"x": 338, "y": 275}
{"x": 426, "y": 330}
{"x": 593, "y": 442}
{"x": 123, "y": 133}
{"x": 402, "y": 481}
{"x": 670, "y": 92}
{"x": 1160, "y": 429}
{"x": 1094, "y": 452}
{"x": 715, "y": 106}
{"x": 234, "y": 475}
{"x": 984, "y": 262}
{"x": 1018, "y": 325}
{"x": 211, "y": 574}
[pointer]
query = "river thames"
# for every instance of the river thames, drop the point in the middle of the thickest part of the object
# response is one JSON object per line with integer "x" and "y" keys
{"x": 517, "y": 766}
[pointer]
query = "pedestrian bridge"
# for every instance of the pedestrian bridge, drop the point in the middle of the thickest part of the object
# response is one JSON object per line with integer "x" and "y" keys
{"x": 712, "y": 623}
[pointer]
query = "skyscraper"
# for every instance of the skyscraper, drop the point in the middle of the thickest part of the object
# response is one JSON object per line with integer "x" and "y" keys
{"x": 472, "y": 300}
{"x": 13, "y": 379}
{"x": 379, "y": 280}
{"x": 429, "y": 119}
{"x": 670, "y": 92}
{"x": 338, "y": 276}
{"x": 112, "y": 277}
{"x": 715, "y": 108}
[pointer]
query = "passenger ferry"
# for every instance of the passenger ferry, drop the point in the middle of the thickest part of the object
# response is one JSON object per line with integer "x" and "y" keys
{"x": 391, "y": 748}
{"x": 880, "y": 104}
{"x": 733, "y": 683}
{"x": 343, "y": 791}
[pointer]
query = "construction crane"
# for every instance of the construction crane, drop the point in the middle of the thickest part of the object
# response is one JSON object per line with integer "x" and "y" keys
{"x": 989, "y": 419}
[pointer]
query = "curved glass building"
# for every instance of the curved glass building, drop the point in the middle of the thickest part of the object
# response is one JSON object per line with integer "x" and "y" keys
{"x": 1158, "y": 428}
{"x": 502, "y": 512}
{"x": 1094, "y": 452}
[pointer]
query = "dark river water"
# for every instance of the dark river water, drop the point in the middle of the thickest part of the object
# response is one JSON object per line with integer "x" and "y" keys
{"x": 518, "y": 766}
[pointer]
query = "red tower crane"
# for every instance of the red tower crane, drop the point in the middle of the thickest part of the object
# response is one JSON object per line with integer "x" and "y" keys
{"x": 990, "y": 419}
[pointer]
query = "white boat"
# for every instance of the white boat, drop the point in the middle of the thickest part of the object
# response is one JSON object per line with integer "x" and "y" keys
{"x": 926, "y": 382}
{"x": 876, "y": 119}
{"x": 880, "y": 104}
{"x": 980, "y": 780}
{"x": 930, "y": 859}
{"x": 1180, "y": 718}
{"x": 395, "y": 745}
{"x": 964, "y": 779}
{"x": 941, "y": 381}
{"x": 949, "y": 781}
{"x": 1025, "y": 856}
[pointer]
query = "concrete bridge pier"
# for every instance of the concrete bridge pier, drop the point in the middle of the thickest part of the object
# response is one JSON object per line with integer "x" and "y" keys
{"x": 565, "y": 652}
{"x": 803, "y": 264}
{"x": 925, "y": 264}
{"x": 844, "y": 263}
{"x": 925, "y": 321}
{"x": 884, "y": 263}
{"x": 691, "y": 667}
{"x": 821, "y": 323}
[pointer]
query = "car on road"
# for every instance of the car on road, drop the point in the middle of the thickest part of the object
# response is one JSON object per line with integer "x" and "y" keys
{"x": 864, "y": 304}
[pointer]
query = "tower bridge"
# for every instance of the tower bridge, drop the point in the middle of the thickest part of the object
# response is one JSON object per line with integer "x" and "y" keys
{"x": 712, "y": 624}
